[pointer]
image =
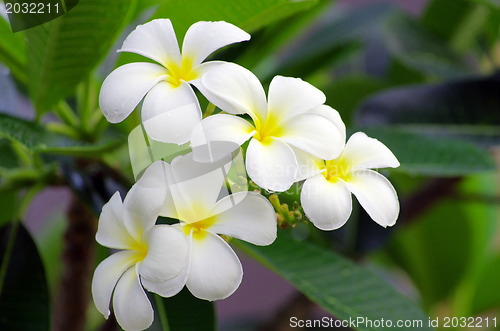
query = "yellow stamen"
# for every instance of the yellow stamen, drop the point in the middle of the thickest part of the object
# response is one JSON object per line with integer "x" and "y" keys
{"x": 267, "y": 129}
{"x": 337, "y": 169}
{"x": 185, "y": 73}
{"x": 199, "y": 227}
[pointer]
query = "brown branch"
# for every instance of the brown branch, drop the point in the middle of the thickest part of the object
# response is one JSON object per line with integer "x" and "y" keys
{"x": 73, "y": 294}
{"x": 433, "y": 191}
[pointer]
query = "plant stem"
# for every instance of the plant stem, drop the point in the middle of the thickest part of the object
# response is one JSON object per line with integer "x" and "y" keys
{"x": 66, "y": 114}
{"x": 160, "y": 309}
{"x": 210, "y": 109}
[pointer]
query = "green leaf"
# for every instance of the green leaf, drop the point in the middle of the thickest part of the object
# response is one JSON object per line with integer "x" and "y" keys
{"x": 248, "y": 15}
{"x": 8, "y": 158}
{"x": 7, "y": 206}
{"x": 467, "y": 109}
{"x": 24, "y": 298}
{"x": 458, "y": 22}
{"x": 421, "y": 50}
{"x": 335, "y": 283}
{"x": 444, "y": 248}
{"x": 182, "y": 312}
{"x": 62, "y": 52}
{"x": 486, "y": 295}
{"x": 432, "y": 156}
{"x": 443, "y": 17}
{"x": 345, "y": 93}
{"x": 13, "y": 51}
{"x": 340, "y": 37}
{"x": 435, "y": 251}
{"x": 36, "y": 139}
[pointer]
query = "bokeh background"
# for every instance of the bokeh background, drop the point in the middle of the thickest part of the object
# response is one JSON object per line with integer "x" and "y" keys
{"x": 421, "y": 76}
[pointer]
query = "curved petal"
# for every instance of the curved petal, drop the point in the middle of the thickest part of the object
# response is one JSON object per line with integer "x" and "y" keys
{"x": 167, "y": 253}
{"x": 251, "y": 218}
{"x": 326, "y": 204}
{"x": 106, "y": 276}
{"x": 272, "y": 166}
{"x": 333, "y": 116}
{"x": 216, "y": 271}
{"x": 291, "y": 96}
{"x": 376, "y": 195}
{"x": 125, "y": 87}
{"x": 219, "y": 135}
{"x": 146, "y": 198}
{"x": 155, "y": 40}
{"x": 111, "y": 231}
{"x": 235, "y": 90}
{"x": 309, "y": 165}
{"x": 170, "y": 113}
{"x": 174, "y": 285}
{"x": 363, "y": 152}
{"x": 195, "y": 186}
{"x": 132, "y": 308}
{"x": 314, "y": 134}
{"x": 204, "y": 38}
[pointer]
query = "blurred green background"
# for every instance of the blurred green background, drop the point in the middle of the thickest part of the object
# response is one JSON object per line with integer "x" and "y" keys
{"x": 421, "y": 76}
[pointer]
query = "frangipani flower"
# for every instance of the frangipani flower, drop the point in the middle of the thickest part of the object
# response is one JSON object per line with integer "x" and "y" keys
{"x": 293, "y": 119}
{"x": 213, "y": 271}
{"x": 326, "y": 196}
{"x": 170, "y": 109}
{"x": 147, "y": 251}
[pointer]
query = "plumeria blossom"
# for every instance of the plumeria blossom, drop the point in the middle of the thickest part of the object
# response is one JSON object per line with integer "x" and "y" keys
{"x": 212, "y": 270}
{"x": 293, "y": 119}
{"x": 170, "y": 109}
{"x": 326, "y": 195}
{"x": 147, "y": 252}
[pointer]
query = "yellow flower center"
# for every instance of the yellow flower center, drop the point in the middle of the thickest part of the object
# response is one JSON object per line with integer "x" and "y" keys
{"x": 140, "y": 249}
{"x": 267, "y": 129}
{"x": 199, "y": 227}
{"x": 178, "y": 74}
{"x": 335, "y": 169}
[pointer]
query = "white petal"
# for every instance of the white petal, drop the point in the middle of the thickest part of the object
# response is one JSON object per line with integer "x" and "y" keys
{"x": 167, "y": 253}
{"x": 146, "y": 198}
{"x": 132, "y": 308}
{"x": 169, "y": 114}
{"x": 235, "y": 90}
{"x": 309, "y": 165}
{"x": 111, "y": 231}
{"x": 204, "y": 68}
{"x": 376, "y": 195}
{"x": 125, "y": 87}
{"x": 291, "y": 96}
{"x": 333, "y": 116}
{"x": 105, "y": 277}
{"x": 363, "y": 152}
{"x": 326, "y": 204}
{"x": 195, "y": 186}
{"x": 218, "y": 135}
{"x": 314, "y": 134}
{"x": 155, "y": 40}
{"x": 272, "y": 166}
{"x": 215, "y": 269}
{"x": 204, "y": 38}
{"x": 174, "y": 285}
{"x": 250, "y": 218}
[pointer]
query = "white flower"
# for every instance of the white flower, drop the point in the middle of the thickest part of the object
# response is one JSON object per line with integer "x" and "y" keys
{"x": 326, "y": 196}
{"x": 293, "y": 119}
{"x": 147, "y": 251}
{"x": 213, "y": 271}
{"x": 170, "y": 108}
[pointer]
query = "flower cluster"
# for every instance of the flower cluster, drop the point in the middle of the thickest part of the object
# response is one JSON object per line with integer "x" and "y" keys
{"x": 293, "y": 137}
